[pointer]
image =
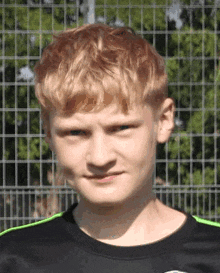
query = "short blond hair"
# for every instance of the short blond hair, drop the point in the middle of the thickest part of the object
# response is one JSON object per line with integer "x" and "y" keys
{"x": 91, "y": 66}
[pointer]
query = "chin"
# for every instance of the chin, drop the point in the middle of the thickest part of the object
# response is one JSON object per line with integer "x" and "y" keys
{"x": 106, "y": 201}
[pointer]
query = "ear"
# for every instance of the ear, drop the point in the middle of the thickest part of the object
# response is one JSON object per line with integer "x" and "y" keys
{"x": 166, "y": 121}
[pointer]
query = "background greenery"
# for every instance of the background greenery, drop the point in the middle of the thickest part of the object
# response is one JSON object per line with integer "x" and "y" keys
{"x": 193, "y": 83}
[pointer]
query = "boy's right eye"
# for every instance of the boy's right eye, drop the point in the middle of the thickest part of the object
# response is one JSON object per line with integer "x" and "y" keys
{"x": 75, "y": 132}
{"x": 64, "y": 133}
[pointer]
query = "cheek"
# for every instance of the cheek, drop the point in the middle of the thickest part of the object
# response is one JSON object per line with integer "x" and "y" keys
{"x": 67, "y": 155}
{"x": 144, "y": 154}
{"x": 70, "y": 163}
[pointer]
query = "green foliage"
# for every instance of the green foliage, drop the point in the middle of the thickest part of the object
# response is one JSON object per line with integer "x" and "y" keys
{"x": 191, "y": 63}
{"x": 132, "y": 15}
{"x": 42, "y": 23}
{"x": 34, "y": 148}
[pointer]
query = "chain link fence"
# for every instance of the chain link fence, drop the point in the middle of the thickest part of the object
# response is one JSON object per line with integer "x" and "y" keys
{"x": 185, "y": 33}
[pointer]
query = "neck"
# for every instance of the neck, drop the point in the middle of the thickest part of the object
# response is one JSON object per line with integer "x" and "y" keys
{"x": 108, "y": 224}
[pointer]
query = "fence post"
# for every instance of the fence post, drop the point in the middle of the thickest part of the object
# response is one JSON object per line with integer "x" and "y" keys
{"x": 89, "y": 12}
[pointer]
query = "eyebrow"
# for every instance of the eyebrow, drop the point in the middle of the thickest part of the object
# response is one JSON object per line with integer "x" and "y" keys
{"x": 135, "y": 122}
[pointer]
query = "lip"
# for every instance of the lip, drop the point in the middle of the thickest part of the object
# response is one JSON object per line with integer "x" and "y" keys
{"x": 105, "y": 178}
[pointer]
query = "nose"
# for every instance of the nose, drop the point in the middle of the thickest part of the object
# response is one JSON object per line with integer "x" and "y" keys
{"x": 100, "y": 152}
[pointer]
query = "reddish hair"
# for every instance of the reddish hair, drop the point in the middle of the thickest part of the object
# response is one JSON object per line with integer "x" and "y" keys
{"x": 94, "y": 65}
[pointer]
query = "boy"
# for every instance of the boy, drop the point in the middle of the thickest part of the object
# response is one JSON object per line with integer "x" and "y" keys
{"x": 103, "y": 94}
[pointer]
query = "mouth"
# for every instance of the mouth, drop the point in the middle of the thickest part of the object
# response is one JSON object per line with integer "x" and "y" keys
{"x": 105, "y": 178}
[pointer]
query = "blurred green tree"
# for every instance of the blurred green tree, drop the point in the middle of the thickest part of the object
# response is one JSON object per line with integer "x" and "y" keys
{"x": 26, "y": 30}
{"x": 192, "y": 66}
{"x": 194, "y": 74}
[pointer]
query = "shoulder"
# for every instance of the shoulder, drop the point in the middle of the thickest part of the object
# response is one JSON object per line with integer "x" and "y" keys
{"x": 206, "y": 234}
{"x": 31, "y": 232}
{"x": 32, "y": 245}
{"x": 204, "y": 226}
{"x": 206, "y": 223}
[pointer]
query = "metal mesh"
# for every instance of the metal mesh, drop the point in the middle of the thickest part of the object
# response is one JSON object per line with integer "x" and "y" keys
{"x": 187, "y": 169}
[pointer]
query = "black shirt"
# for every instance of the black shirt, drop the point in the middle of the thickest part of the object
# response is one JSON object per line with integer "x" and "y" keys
{"x": 57, "y": 244}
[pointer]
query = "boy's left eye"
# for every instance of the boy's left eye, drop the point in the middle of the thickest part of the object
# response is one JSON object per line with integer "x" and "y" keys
{"x": 124, "y": 127}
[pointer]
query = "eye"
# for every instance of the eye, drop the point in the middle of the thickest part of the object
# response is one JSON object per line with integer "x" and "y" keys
{"x": 122, "y": 128}
{"x": 75, "y": 132}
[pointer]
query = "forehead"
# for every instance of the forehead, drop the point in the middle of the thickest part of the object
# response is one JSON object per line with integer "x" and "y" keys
{"x": 107, "y": 116}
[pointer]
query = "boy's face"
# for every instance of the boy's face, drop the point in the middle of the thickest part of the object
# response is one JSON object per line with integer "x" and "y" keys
{"x": 89, "y": 144}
